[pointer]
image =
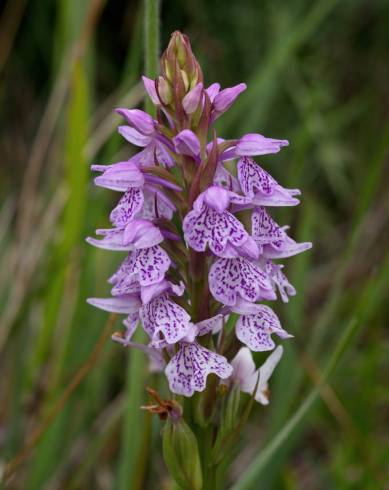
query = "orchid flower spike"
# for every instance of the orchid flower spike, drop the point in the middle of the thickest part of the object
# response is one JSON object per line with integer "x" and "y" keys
{"x": 196, "y": 237}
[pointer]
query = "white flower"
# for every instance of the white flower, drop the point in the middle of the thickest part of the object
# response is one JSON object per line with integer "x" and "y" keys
{"x": 246, "y": 375}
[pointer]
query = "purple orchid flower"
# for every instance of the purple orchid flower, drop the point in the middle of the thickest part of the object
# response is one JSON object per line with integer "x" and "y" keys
{"x": 211, "y": 224}
{"x": 255, "y": 330}
{"x": 187, "y": 371}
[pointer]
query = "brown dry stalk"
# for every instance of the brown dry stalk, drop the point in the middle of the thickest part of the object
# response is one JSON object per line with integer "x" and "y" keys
{"x": 80, "y": 375}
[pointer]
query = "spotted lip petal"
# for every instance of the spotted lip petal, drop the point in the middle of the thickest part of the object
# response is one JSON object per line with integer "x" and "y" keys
{"x": 264, "y": 229}
{"x": 162, "y": 317}
{"x": 231, "y": 279}
{"x": 187, "y": 371}
{"x": 128, "y": 207}
{"x": 261, "y": 187}
{"x": 273, "y": 240}
{"x": 149, "y": 265}
{"x": 255, "y": 330}
{"x": 208, "y": 227}
{"x": 142, "y": 268}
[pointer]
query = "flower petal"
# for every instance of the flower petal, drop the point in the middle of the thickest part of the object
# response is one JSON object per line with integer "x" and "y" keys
{"x": 133, "y": 136}
{"x": 141, "y": 233}
{"x": 280, "y": 281}
{"x": 261, "y": 187}
{"x": 230, "y": 279}
{"x": 119, "y": 176}
{"x": 255, "y": 330}
{"x": 150, "y": 89}
{"x": 257, "y": 144}
{"x": 187, "y": 143}
{"x": 224, "y": 99}
{"x": 131, "y": 322}
{"x": 212, "y": 91}
{"x": 285, "y": 247}
{"x": 214, "y": 325}
{"x": 264, "y": 372}
{"x": 128, "y": 207}
{"x": 243, "y": 365}
{"x": 161, "y": 316}
{"x": 119, "y": 304}
{"x": 139, "y": 120}
{"x": 112, "y": 240}
{"x": 192, "y": 99}
{"x": 187, "y": 371}
{"x": 208, "y": 227}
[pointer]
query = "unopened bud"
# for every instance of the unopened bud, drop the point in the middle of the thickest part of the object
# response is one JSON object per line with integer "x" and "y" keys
{"x": 164, "y": 91}
{"x": 181, "y": 454}
{"x": 179, "y": 60}
{"x": 181, "y": 49}
{"x": 185, "y": 79}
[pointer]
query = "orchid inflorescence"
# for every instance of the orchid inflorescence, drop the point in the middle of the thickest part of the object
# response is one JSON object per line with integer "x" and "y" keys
{"x": 200, "y": 241}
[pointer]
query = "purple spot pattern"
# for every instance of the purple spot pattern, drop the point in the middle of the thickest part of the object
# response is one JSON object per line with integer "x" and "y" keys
{"x": 146, "y": 266}
{"x": 255, "y": 330}
{"x": 208, "y": 227}
{"x": 163, "y": 317}
{"x": 265, "y": 229}
{"x": 253, "y": 178}
{"x": 279, "y": 280}
{"x": 129, "y": 205}
{"x": 230, "y": 278}
{"x": 187, "y": 371}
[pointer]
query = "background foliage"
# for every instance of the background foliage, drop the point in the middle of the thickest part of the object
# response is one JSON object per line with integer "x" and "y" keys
{"x": 318, "y": 75}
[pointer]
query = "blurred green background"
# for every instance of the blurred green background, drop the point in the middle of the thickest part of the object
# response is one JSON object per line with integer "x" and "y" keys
{"x": 318, "y": 75}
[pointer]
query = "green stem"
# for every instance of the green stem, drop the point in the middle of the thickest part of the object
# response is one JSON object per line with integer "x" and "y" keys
{"x": 151, "y": 28}
{"x": 206, "y": 441}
